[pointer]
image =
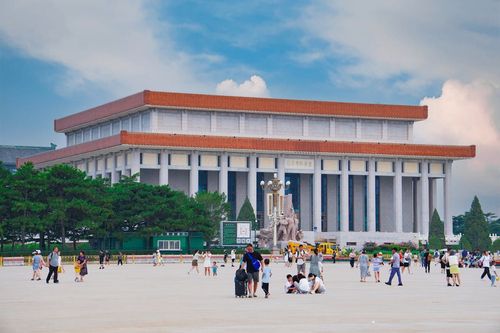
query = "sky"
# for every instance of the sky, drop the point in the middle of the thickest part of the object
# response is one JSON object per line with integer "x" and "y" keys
{"x": 60, "y": 57}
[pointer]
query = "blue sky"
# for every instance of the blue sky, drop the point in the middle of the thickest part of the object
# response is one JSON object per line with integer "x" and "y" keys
{"x": 59, "y": 57}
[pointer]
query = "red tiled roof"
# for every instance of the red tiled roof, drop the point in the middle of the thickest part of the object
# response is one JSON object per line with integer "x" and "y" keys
{"x": 257, "y": 144}
{"x": 233, "y": 103}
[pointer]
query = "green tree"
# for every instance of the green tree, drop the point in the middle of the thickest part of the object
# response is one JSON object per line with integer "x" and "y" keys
{"x": 76, "y": 204}
{"x": 476, "y": 235}
{"x": 27, "y": 203}
{"x": 5, "y": 202}
{"x": 496, "y": 245}
{"x": 458, "y": 224}
{"x": 436, "y": 232}
{"x": 247, "y": 213}
{"x": 495, "y": 227}
{"x": 216, "y": 209}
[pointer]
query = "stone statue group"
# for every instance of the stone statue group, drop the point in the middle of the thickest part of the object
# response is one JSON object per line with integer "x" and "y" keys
{"x": 287, "y": 226}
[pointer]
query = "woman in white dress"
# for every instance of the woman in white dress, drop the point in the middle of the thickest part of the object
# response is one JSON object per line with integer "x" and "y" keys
{"x": 207, "y": 264}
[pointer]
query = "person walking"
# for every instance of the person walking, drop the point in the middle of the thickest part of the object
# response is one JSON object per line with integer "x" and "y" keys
{"x": 377, "y": 262}
{"x": 395, "y": 265}
{"x": 427, "y": 261}
{"x": 493, "y": 272}
{"x": 453, "y": 268}
{"x": 120, "y": 259}
{"x": 225, "y": 257}
{"x": 194, "y": 262}
{"x": 53, "y": 260}
{"x": 300, "y": 259}
{"x": 485, "y": 262}
{"x": 233, "y": 257}
{"x": 334, "y": 256}
{"x": 107, "y": 257}
{"x": 363, "y": 264}
{"x": 38, "y": 263}
{"x": 60, "y": 267}
{"x": 352, "y": 258}
{"x": 406, "y": 261}
{"x": 207, "y": 263}
{"x": 315, "y": 263}
{"x": 82, "y": 263}
{"x": 266, "y": 277}
{"x": 445, "y": 262}
{"x": 252, "y": 261}
{"x": 101, "y": 259}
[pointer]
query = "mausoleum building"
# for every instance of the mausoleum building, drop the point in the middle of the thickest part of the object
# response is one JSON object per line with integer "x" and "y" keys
{"x": 356, "y": 175}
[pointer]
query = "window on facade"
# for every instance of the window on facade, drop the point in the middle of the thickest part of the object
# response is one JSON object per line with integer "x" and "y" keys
{"x": 169, "y": 245}
{"x": 136, "y": 123}
{"x": 115, "y": 127}
{"x": 105, "y": 130}
{"x": 78, "y": 137}
{"x": 95, "y": 133}
{"x": 87, "y": 135}
{"x": 146, "y": 121}
{"x": 126, "y": 124}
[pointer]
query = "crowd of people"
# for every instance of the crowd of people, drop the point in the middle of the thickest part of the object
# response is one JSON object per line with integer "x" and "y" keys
{"x": 309, "y": 278}
{"x": 449, "y": 260}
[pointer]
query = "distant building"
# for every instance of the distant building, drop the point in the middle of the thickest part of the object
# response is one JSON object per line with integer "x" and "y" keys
{"x": 356, "y": 174}
{"x": 9, "y": 154}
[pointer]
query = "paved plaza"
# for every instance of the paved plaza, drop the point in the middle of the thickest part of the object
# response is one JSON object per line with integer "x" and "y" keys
{"x": 142, "y": 298}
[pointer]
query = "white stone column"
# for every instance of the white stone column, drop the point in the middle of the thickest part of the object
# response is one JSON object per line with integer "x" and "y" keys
{"x": 193, "y": 174}
{"x": 398, "y": 196}
{"x": 344, "y": 196}
{"x": 317, "y": 195}
{"x": 163, "y": 167}
{"x": 112, "y": 167}
{"x": 135, "y": 166}
{"x": 448, "y": 221}
{"x": 223, "y": 174}
{"x": 424, "y": 192}
{"x": 372, "y": 227}
{"x": 91, "y": 171}
{"x": 281, "y": 173}
{"x": 252, "y": 182}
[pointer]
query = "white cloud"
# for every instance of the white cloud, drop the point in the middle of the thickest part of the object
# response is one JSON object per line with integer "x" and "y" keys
{"x": 465, "y": 114}
{"x": 254, "y": 87}
{"x": 414, "y": 42}
{"x": 117, "y": 45}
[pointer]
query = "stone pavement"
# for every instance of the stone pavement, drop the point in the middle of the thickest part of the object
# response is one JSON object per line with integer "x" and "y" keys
{"x": 142, "y": 298}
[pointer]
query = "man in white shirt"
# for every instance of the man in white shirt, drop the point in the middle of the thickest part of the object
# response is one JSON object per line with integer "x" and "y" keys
{"x": 485, "y": 261}
{"x": 300, "y": 259}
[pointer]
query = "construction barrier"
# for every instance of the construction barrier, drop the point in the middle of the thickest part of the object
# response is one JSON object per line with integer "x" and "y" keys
{"x": 13, "y": 261}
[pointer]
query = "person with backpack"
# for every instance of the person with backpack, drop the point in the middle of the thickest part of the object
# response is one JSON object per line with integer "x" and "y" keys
{"x": 252, "y": 261}
{"x": 300, "y": 259}
{"x": 53, "y": 260}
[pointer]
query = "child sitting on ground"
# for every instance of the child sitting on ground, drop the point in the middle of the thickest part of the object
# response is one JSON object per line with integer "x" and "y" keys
{"x": 214, "y": 268}
{"x": 266, "y": 277}
{"x": 289, "y": 287}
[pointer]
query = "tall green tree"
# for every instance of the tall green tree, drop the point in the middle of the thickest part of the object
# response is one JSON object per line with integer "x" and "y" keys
{"x": 76, "y": 204}
{"x": 247, "y": 213}
{"x": 458, "y": 224}
{"x": 436, "y": 232}
{"x": 216, "y": 209}
{"x": 476, "y": 233}
{"x": 28, "y": 202}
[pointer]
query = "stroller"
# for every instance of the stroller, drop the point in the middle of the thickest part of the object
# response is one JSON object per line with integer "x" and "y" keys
{"x": 240, "y": 283}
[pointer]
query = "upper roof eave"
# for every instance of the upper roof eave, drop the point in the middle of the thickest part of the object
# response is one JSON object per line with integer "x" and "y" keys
{"x": 236, "y": 103}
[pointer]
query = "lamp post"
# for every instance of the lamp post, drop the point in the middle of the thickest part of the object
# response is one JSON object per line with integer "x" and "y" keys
{"x": 274, "y": 185}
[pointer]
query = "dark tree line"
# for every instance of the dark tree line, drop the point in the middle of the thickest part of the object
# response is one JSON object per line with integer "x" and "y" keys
{"x": 61, "y": 202}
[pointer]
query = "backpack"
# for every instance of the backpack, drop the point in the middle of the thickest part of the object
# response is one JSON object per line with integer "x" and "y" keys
{"x": 255, "y": 262}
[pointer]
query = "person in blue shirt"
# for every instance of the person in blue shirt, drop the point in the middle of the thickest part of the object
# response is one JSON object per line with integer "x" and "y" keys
{"x": 266, "y": 277}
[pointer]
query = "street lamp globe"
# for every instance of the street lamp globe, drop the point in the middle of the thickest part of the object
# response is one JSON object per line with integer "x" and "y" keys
{"x": 262, "y": 183}
{"x": 287, "y": 183}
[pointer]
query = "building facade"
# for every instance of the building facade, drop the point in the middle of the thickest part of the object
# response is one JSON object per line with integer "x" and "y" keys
{"x": 355, "y": 173}
{"x": 10, "y": 154}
